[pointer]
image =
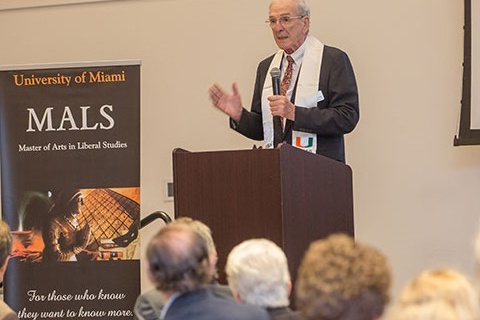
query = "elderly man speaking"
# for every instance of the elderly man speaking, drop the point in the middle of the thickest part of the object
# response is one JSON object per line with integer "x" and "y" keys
{"x": 317, "y": 99}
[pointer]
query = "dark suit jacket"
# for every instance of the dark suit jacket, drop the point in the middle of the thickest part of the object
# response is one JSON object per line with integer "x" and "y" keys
{"x": 333, "y": 117}
{"x": 283, "y": 313}
{"x": 149, "y": 305}
{"x": 203, "y": 305}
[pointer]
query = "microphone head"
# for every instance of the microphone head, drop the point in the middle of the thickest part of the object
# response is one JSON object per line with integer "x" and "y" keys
{"x": 275, "y": 73}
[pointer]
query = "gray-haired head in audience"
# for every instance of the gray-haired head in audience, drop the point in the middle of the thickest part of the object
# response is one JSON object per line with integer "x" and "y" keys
{"x": 257, "y": 273}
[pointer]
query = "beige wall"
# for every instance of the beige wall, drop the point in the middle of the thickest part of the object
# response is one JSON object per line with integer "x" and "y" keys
{"x": 415, "y": 194}
{"x": 22, "y": 4}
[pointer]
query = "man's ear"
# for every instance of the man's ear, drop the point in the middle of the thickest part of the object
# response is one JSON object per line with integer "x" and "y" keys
{"x": 215, "y": 254}
{"x": 306, "y": 21}
{"x": 212, "y": 259}
{"x": 289, "y": 288}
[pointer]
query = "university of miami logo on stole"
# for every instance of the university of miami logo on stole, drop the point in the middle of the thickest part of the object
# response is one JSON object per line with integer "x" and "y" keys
{"x": 298, "y": 143}
{"x": 305, "y": 141}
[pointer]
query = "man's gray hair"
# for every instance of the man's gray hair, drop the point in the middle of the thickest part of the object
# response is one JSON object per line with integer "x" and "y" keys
{"x": 303, "y": 9}
{"x": 5, "y": 242}
{"x": 257, "y": 271}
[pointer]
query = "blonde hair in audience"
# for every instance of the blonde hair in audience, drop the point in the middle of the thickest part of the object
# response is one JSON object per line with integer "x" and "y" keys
{"x": 340, "y": 278}
{"x": 442, "y": 294}
{"x": 5, "y": 242}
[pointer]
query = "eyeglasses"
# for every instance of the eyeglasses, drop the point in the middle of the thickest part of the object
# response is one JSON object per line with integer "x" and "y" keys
{"x": 284, "y": 20}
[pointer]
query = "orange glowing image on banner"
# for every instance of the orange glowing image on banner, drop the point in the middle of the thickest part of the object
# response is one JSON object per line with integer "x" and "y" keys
{"x": 27, "y": 245}
{"x": 83, "y": 225}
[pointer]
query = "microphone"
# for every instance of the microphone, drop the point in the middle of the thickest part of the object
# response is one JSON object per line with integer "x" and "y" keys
{"x": 277, "y": 121}
{"x": 275, "y": 73}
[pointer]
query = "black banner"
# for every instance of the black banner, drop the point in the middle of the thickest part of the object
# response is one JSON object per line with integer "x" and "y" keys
{"x": 70, "y": 161}
{"x": 469, "y": 122}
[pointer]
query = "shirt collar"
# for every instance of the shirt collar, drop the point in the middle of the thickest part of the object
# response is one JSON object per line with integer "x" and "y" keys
{"x": 168, "y": 304}
{"x": 297, "y": 55}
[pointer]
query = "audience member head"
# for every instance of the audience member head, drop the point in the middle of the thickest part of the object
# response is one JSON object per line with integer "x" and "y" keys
{"x": 442, "y": 294}
{"x": 340, "y": 279}
{"x": 178, "y": 259}
{"x": 257, "y": 273}
{"x": 202, "y": 229}
{"x": 5, "y": 247}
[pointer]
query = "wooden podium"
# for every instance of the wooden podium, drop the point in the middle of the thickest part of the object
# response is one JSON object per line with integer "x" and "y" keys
{"x": 287, "y": 195}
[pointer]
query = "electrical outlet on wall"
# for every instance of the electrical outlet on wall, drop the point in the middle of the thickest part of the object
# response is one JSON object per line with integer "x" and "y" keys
{"x": 169, "y": 190}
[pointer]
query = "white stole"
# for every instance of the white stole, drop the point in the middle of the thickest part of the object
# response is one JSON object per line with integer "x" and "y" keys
{"x": 307, "y": 94}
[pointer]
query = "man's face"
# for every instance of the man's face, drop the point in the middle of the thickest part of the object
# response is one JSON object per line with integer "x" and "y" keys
{"x": 290, "y": 35}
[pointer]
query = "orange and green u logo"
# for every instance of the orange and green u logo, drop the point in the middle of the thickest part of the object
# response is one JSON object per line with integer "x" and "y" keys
{"x": 298, "y": 143}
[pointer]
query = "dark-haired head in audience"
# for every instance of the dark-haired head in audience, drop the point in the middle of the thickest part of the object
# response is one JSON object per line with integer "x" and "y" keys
{"x": 203, "y": 231}
{"x": 340, "y": 279}
{"x": 5, "y": 250}
{"x": 257, "y": 273}
{"x": 442, "y": 294}
{"x": 181, "y": 269}
{"x": 149, "y": 304}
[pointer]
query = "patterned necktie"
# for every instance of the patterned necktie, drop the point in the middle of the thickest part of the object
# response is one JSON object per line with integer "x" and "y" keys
{"x": 287, "y": 77}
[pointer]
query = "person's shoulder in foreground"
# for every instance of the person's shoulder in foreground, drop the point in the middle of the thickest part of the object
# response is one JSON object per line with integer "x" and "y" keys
{"x": 149, "y": 304}
{"x": 201, "y": 304}
{"x": 284, "y": 313}
{"x": 6, "y": 313}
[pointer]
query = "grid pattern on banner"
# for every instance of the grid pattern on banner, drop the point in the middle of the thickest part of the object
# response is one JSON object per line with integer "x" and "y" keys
{"x": 108, "y": 213}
